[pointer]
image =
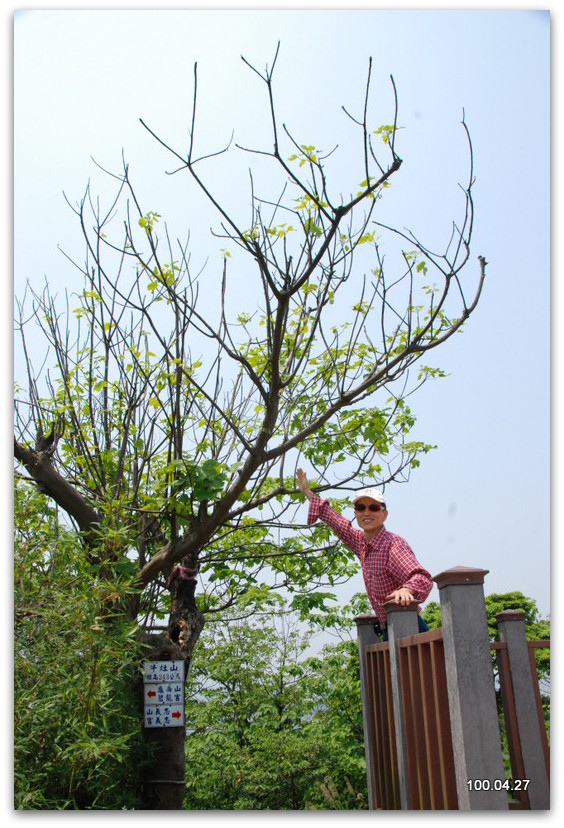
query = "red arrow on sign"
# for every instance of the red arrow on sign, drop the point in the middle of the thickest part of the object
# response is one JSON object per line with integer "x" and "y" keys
{"x": 176, "y": 715}
{"x": 151, "y": 693}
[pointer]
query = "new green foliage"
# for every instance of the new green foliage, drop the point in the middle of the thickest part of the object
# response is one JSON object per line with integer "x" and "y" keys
{"x": 77, "y": 743}
{"x": 273, "y": 727}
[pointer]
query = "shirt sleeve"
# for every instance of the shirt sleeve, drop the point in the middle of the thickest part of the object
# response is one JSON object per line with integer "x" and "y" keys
{"x": 321, "y": 510}
{"x": 404, "y": 566}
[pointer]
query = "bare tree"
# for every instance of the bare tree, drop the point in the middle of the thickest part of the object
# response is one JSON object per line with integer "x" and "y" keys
{"x": 170, "y": 435}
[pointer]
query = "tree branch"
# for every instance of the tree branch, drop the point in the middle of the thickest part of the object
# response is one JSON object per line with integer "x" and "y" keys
{"x": 39, "y": 466}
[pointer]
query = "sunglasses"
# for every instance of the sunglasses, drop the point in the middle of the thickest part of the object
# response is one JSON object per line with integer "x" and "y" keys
{"x": 372, "y": 507}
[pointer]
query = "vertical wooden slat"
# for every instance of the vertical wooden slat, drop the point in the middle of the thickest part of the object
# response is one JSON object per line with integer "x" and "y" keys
{"x": 419, "y": 712}
{"x": 380, "y": 747}
{"x": 430, "y": 725}
{"x": 449, "y": 796}
{"x": 393, "y": 777}
{"x": 409, "y": 725}
{"x": 373, "y": 725}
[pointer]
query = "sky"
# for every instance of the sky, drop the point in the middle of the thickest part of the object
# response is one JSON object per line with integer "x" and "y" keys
{"x": 83, "y": 79}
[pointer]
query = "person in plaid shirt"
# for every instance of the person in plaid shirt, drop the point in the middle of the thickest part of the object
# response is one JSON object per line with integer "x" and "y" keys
{"x": 390, "y": 569}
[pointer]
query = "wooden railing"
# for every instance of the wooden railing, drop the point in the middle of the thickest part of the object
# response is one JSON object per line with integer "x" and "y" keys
{"x": 432, "y": 734}
{"x": 430, "y": 758}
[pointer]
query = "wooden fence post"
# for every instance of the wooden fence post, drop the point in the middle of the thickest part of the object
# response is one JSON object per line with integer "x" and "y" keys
{"x": 511, "y": 625}
{"x": 473, "y": 710}
{"x": 402, "y": 621}
{"x": 366, "y": 635}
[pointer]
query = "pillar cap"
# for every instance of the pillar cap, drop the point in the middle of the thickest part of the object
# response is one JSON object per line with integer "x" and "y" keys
{"x": 391, "y": 606}
{"x": 510, "y": 615}
{"x": 365, "y": 618}
{"x": 460, "y": 576}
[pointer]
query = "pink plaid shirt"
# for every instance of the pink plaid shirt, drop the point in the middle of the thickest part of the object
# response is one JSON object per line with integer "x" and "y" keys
{"x": 388, "y": 562}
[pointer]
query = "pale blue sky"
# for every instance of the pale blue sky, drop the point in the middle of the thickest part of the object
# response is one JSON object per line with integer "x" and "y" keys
{"x": 83, "y": 80}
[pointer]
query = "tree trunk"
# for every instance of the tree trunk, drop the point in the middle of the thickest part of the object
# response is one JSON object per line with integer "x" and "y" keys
{"x": 164, "y": 779}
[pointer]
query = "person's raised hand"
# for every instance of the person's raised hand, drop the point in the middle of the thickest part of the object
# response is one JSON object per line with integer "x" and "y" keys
{"x": 303, "y": 483}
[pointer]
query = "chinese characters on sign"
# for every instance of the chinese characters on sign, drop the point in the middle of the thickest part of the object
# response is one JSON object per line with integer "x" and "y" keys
{"x": 163, "y": 693}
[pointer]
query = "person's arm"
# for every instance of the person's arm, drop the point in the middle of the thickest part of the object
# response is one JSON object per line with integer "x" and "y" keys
{"x": 321, "y": 510}
{"x": 416, "y": 582}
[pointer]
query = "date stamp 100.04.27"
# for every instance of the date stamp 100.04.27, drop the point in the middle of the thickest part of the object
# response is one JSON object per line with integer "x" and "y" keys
{"x": 509, "y": 785}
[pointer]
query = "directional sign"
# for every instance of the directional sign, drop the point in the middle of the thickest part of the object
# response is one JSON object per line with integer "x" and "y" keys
{"x": 164, "y": 715}
{"x": 163, "y": 693}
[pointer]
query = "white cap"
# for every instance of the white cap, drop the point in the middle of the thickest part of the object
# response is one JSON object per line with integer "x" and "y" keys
{"x": 373, "y": 494}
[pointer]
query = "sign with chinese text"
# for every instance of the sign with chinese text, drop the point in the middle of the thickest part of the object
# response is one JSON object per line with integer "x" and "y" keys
{"x": 163, "y": 693}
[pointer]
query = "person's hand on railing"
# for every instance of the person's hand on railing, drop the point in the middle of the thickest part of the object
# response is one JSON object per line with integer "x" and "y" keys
{"x": 401, "y": 596}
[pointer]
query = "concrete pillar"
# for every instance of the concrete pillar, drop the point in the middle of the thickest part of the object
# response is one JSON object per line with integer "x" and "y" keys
{"x": 366, "y": 635}
{"x": 472, "y": 704}
{"x": 402, "y": 621}
{"x": 511, "y": 624}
